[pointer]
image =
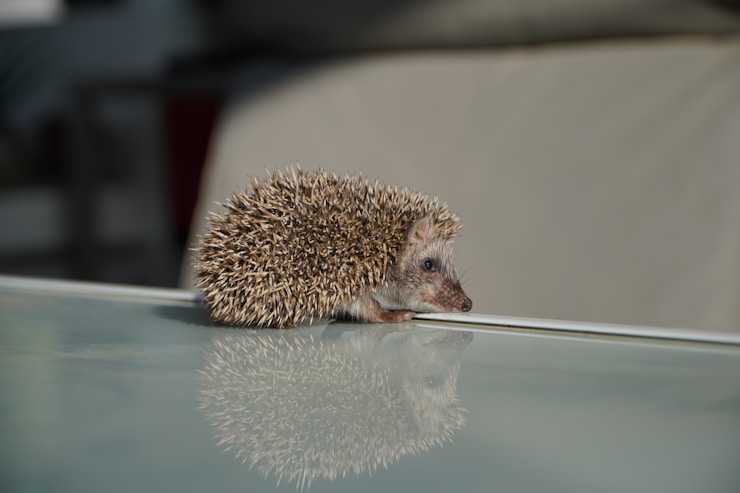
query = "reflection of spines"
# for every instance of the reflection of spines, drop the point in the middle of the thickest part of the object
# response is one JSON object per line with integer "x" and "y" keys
{"x": 300, "y": 409}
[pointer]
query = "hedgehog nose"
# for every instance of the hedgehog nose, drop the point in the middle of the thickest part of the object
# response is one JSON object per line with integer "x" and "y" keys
{"x": 466, "y": 304}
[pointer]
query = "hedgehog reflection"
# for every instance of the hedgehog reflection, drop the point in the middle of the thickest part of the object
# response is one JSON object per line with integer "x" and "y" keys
{"x": 301, "y": 407}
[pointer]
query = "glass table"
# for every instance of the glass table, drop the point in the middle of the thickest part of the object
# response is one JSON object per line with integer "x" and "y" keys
{"x": 110, "y": 388}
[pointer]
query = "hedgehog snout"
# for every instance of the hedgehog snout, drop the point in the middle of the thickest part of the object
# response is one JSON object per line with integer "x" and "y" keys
{"x": 451, "y": 298}
{"x": 463, "y": 303}
{"x": 466, "y": 304}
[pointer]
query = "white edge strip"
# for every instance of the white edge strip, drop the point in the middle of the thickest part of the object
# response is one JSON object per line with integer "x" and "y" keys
{"x": 586, "y": 327}
{"x": 99, "y": 289}
{"x": 150, "y": 293}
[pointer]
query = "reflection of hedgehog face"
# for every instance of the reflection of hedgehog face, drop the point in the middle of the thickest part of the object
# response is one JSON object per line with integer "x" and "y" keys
{"x": 301, "y": 408}
{"x": 430, "y": 377}
{"x": 424, "y": 364}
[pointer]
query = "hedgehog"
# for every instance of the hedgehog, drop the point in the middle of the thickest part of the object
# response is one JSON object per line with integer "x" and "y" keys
{"x": 303, "y": 244}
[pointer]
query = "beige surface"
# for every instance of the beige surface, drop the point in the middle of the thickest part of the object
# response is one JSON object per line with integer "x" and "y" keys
{"x": 597, "y": 182}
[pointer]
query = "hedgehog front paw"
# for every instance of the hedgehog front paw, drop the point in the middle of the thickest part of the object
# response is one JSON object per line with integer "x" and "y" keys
{"x": 397, "y": 316}
{"x": 367, "y": 309}
{"x": 378, "y": 314}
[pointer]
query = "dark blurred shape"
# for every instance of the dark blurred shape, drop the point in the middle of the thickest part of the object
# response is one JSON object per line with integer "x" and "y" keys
{"x": 87, "y": 3}
{"x": 730, "y": 5}
{"x": 188, "y": 121}
{"x": 85, "y": 166}
{"x": 331, "y": 25}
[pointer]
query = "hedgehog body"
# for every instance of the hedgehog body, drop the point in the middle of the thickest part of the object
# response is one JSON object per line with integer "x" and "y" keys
{"x": 313, "y": 244}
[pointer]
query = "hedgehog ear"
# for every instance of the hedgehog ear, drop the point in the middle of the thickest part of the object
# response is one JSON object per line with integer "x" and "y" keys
{"x": 421, "y": 231}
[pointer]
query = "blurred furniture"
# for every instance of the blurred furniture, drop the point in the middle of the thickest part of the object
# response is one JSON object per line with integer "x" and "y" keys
{"x": 598, "y": 178}
{"x": 99, "y": 129}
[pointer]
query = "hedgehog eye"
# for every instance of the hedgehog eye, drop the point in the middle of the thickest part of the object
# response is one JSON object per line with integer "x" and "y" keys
{"x": 429, "y": 265}
{"x": 432, "y": 381}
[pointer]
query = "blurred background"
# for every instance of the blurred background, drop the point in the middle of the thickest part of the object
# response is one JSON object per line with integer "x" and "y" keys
{"x": 591, "y": 146}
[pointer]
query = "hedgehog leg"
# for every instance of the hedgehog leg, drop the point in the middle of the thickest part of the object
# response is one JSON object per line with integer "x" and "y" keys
{"x": 367, "y": 309}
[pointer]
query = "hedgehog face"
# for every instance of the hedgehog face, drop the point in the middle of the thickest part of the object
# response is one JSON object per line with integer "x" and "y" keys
{"x": 424, "y": 278}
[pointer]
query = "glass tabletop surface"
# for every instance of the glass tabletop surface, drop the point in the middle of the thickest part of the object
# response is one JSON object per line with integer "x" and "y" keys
{"x": 107, "y": 389}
